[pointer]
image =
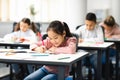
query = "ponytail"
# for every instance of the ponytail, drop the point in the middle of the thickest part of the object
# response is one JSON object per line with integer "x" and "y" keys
{"x": 67, "y": 30}
{"x": 59, "y": 28}
{"x": 33, "y": 27}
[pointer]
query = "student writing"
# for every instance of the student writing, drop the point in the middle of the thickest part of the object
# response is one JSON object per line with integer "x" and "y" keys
{"x": 59, "y": 40}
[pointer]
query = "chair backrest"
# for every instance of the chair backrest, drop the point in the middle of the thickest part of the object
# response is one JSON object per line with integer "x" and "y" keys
{"x": 103, "y": 32}
{"x": 79, "y": 26}
{"x": 77, "y": 37}
{"x": 14, "y": 24}
{"x": 37, "y": 24}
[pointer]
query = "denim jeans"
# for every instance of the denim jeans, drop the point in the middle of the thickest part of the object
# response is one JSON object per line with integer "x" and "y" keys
{"x": 43, "y": 74}
{"x": 112, "y": 53}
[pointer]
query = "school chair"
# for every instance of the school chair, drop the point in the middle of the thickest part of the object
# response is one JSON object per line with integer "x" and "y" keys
{"x": 73, "y": 67}
{"x": 79, "y": 26}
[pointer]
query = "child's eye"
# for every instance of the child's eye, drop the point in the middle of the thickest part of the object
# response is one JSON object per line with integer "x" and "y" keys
{"x": 55, "y": 37}
{"x": 50, "y": 38}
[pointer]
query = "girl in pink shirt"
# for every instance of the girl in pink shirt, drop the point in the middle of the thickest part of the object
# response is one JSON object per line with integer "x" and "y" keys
{"x": 111, "y": 30}
{"x": 59, "y": 40}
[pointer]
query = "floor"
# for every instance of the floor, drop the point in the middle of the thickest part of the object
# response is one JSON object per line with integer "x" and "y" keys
{"x": 4, "y": 71}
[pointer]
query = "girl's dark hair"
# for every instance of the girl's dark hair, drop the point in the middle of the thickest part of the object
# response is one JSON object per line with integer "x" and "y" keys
{"x": 27, "y": 21}
{"x": 91, "y": 16}
{"x": 59, "y": 28}
{"x": 17, "y": 27}
{"x": 33, "y": 27}
{"x": 110, "y": 21}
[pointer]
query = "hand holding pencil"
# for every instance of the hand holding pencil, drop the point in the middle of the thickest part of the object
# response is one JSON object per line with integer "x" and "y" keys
{"x": 40, "y": 49}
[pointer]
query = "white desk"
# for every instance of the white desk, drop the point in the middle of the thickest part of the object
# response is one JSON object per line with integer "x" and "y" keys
{"x": 99, "y": 46}
{"x": 13, "y": 44}
{"x": 46, "y": 59}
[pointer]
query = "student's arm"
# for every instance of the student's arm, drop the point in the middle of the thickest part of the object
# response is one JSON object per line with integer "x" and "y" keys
{"x": 47, "y": 44}
{"x": 116, "y": 33}
{"x": 69, "y": 49}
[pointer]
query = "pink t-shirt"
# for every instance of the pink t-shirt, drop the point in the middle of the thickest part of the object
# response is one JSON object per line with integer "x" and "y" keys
{"x": 67, "y": 47}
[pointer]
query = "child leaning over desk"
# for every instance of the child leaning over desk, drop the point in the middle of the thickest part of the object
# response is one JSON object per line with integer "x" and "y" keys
{"x": 59, "y": 40}
{"x": 111, "y": 31}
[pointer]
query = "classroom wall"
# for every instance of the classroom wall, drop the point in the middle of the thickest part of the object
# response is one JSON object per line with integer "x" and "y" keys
{"x": 70, "y": 12}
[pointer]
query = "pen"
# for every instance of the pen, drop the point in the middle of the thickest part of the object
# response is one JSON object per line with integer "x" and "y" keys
{"x": 63, "y": 58}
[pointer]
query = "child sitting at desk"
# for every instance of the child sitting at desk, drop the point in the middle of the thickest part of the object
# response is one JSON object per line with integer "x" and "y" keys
{"x": 111, "y": 28}
{"x": 90, "y": 32}
{"x": 22, "y": 34}
{"x": 111, "y": 31}
{"x": 59, "y": 40}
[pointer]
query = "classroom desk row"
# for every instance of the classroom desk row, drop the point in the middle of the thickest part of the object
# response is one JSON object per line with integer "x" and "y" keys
{"x": 15, "y": 44}
{"x": 60, "y": 60}
{"x": 100, "y": 47}
{"x": 90, "y": 45}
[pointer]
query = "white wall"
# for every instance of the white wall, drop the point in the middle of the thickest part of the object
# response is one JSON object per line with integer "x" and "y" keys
{"x": 100, "y": 7}
{"x": 5, "y": 28}
{"x": 71, "y": 11}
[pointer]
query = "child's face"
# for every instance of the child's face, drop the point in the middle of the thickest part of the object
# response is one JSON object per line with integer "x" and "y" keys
{"x": 108, "y": 28}
{"x": 90, "y": 25}
{"x": 24, "y": 26}
{"x": 55, "y": 39}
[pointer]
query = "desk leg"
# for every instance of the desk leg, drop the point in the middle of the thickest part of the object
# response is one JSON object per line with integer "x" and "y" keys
{"x": 61, "y": 73}
{"x": 11, "y": 73}
{"x": 117, "y": 60}
{"x": 99, "y": 65}
{"x": 79, "y": 70}
{"x": 107, "y": 67}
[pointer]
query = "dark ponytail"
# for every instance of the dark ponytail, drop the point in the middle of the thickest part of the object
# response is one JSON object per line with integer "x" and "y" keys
{"x": 33, "y": 27}
{"x": 67, "y": 30}
{"x": 59, "y": 28}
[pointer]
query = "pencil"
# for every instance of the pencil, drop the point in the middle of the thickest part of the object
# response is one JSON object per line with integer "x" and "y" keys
{"x": 63, "y": 58}
{"x": 40, "y": 38}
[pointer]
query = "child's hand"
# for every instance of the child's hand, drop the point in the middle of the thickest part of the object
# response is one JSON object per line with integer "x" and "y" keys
{"x": 40, "y": 49}
{"x": 52, "y": 49}
{"x": 14, "y": 39}
{"x": 23, "y": 40}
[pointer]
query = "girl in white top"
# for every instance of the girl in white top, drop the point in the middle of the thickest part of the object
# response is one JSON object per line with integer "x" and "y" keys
{"x": 23, "y": 32}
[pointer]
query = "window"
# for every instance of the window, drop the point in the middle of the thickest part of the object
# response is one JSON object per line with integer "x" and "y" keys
{"x": 15, "y": 10}
{"x": 46, "y": 10}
